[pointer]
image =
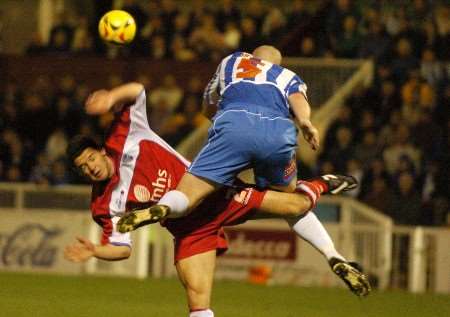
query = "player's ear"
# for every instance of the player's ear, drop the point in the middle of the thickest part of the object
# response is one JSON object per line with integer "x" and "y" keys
{"x": 103, "y": 151}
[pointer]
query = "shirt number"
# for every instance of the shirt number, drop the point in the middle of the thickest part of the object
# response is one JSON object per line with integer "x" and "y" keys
{"x": 248, "y": 68}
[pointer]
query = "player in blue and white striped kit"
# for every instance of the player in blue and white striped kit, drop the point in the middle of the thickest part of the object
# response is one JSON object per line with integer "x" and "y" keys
{"x": 254, "y": 103}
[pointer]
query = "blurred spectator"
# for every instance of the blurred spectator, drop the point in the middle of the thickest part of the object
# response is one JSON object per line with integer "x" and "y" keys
{"x": 169, "y": 93}
{"x": 36, "y": 46}
{"x": 206, "y": 39}
{"x": 158, "y": 48}
{"x": 41, "y": 170}
{"x": 56, "y": 145}
{"x": 343, "y": 119}
{"x": 430, "y": 69}
{"x": 376, "y": 43}
{"x": 380, "y": 195}
{"x": 179, "y": 125}
{"x": 406, "y": 205}
{"x": 417, "y": 97}
{"x": 255, "y": 10}
{"x": 83, "y": 42}
{"x": 273, "y": 28}
{"x": 61, "y": 34}
{"x": 368, "y": 148}
{"x": 14, "y": 174}
{"x": 402, "y": 147}
{"x": 297, "y": 15}
{"x": 340, "y": 151}
{"x": 308, "y": 47}
{"x": 58, "y": 175}
{"x": 348, "y": 40}
{"x": 251, "y": 38}
{"x": 404, "y": 61}
{"x": 231, "y": 36}
{"x": 226, "y": 13}
{"x": 179, "y": 50}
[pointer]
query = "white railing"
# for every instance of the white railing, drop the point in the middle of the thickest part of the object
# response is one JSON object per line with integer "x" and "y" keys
{"x": 413, "y": 258}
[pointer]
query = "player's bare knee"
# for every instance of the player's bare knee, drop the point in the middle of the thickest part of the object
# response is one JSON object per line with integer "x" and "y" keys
{"x": 297, "y": 206}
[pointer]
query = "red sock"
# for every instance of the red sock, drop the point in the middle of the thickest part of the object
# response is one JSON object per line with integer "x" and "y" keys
{"x": 310, "y": 189}
{"x": 323, "y": 186}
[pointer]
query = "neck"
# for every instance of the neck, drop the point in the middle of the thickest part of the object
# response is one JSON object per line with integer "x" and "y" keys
{"x": 111, "y": 167}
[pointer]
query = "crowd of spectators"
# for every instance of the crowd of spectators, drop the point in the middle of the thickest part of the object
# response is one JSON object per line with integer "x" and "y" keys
{"x": 167, "y": 29}
{"x": 394, "y": 136}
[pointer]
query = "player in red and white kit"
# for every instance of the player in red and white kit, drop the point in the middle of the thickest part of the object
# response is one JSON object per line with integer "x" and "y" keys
{"x": 135, "y": 167}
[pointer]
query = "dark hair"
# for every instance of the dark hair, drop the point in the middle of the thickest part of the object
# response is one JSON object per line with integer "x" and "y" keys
{"x": 78, "y": 144}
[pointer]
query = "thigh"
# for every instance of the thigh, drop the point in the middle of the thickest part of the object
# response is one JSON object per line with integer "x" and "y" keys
{"x": 275, "y": 161}
{"x": 197, "y": 274}
{"x": 226, "y": 152}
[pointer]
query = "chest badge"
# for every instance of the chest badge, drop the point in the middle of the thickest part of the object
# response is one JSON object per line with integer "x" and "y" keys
{"x": 141, "y": 193}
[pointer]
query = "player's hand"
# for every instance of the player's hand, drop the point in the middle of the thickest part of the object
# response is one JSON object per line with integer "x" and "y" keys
{"x": 99, "y": 102}
{"x": 311, "y": 134}
{"x": 80, "y": 251}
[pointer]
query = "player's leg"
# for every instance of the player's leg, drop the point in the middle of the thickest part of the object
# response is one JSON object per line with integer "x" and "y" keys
{"x": 276, "y": 164}
{"x": 196, "y": 273}
{"x": 293, "y": 207}
{"x": 221, "y": 159}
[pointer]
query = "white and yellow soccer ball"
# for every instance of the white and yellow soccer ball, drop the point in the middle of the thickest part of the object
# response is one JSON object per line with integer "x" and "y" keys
{"x": 117, "y": 27}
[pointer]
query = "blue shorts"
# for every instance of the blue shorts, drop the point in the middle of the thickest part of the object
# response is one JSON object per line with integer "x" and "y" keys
{"x": 241, "y": 139}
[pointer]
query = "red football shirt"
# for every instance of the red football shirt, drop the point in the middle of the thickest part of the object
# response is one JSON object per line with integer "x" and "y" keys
{"x": 146, "y": 167}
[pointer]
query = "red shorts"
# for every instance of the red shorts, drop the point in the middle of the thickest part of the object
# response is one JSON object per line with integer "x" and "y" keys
{"x": 202, "y": 230}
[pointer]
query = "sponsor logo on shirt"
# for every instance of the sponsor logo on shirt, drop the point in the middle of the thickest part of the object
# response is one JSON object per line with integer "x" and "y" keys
{"x": 161, "y": 185}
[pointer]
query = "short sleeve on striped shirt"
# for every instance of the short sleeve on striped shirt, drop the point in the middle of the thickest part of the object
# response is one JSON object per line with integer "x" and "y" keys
{"x": 296, "y": 85}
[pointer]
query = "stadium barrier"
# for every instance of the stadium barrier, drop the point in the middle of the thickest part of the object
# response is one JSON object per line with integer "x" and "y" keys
{"x": 35, "y": 228}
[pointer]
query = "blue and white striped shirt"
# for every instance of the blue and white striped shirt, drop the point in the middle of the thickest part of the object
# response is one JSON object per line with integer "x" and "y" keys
{"x": 242, "y": 79}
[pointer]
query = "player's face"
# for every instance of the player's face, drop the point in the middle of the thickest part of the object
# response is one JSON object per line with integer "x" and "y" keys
{"x": 94, "y": 164}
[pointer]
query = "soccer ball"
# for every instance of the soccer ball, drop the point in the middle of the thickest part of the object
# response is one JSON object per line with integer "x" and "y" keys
{"x": 117, "y": 27}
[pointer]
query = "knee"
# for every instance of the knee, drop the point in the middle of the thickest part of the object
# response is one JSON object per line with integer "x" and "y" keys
{"x": 297, "y": 206}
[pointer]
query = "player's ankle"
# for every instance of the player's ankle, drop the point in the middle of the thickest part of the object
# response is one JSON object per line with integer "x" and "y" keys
{"x": 201, "y": 313}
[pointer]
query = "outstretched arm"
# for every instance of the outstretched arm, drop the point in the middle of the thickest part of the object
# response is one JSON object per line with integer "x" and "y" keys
{"x": 302, "y": 111}
{"x": 84, "y": 249}
{"x": 102, "y": 101}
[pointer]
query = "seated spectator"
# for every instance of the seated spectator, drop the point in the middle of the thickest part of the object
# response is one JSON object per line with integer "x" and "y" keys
{"x": 406, "y": 205}
{"x": 169, "y": 93}
{"x": 206, "y": 39}
{"x": 404, "y": 60}
{"x": 402, "y": 147}
{"x": 58, "y": 173}
{"x": 376, "y": 43}
{"x": 274, "y": 26}
{"x": 348, "y": 40}
{"x": 179, "y": 51}
{"x": 14, "y": 174}
{"x": 342, "y": 150}
{"x": 368, "y": 148}
{"x": 231, "y": 36}
{"x": 255, "y": 10}
{"x": 297, "y": 15}
{"x": 380, "y": 196}
{"x": 251, "y": 38}
{"x": 226, "y": 13}
{"x": 308, "y": 47}
{"x": 41, "y": 170}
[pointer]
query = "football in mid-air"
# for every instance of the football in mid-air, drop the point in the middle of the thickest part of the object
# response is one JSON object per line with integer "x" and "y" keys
{"x": 117, "y": 27}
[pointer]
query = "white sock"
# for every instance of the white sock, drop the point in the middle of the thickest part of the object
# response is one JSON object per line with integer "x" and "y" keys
{"x": 309, "y": 228}
{"x": 177, "y": 202}
{"x": 202, "y": 313}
